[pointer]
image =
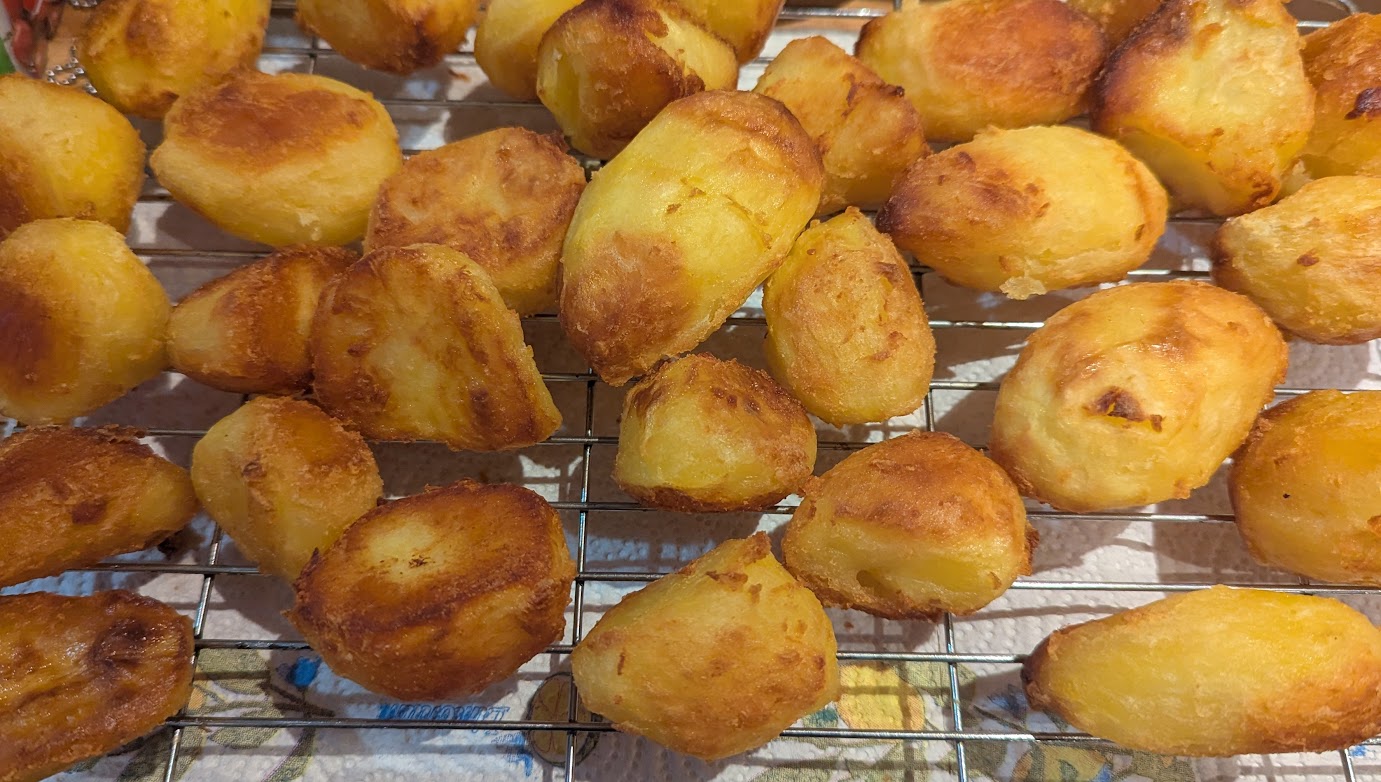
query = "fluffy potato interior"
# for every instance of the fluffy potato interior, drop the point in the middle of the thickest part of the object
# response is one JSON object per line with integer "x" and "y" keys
{"x": 507, "y": 38}
{"x": 1343, "y": 62}
{"x": 399, "y": 36}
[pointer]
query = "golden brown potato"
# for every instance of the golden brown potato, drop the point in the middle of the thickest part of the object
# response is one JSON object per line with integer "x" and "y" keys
{"x": 674, "y": 234}
{"x": 399, "y": 36}
{"x": 285, "y": 480}
{"x": 64, "y": 153}
{"x": 731, "y": 634}
{"x": 1028, "y": 211}
{"x": 85, "y": 675}
{"x": 847, "y": 333}
{"x": 247, "y": 331}
{"x": 72, "y": 497}
{"x": 504, "y": 198}
{"x": 1212, "y": 95}
{"x": 607, "y": 67}
{"x": 1135, "y": 395}
{"x": 1116, "y": 17}
{"x": 866, "y": 130}
{"x": 701, "y": 434}
{"x": 440, "y": 594}
{"x": 909, "y": 528}
{"x": 291, "y": 158}
{"x": 1343, "y": 62}
{"x": 507, "y": 38}
{"x": 415, "y": 343}
{"x": 1306, "y": 487}
{"x": 82, "y": 321}
{"x": 970, "y": 64}
{"x": 745, "y": 24}
{"x": 142, "y": 54}
{"x": 1216, "y": 672}
{"x": 1312, "y": 261}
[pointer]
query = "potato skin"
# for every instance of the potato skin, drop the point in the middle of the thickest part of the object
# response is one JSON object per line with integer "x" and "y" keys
{"x": 731, "y": 634}
{"x": 865, "y": 129}
{"x": 1135, "y": 394}
{"x": 284, "y": 479}
{"x": 285, "y": 159}
{"x": 1224, "y": 672}
{"x": 745, "y": 24}
{"x": 1117, "y": 17}
{"x": 1212, "y": 95}
{"x": 702, "y": 434}
{"x": 415, "y": 343}
{"x": 398, "y": 36}
{"x": 1028, "y": 211}
{"x": 64, "y": 153}
{"x": 74, "y": 496}
{"x": 847, "y": 333}
{"x": 85, "y": 675}
{"x": 507, "y": 38}
{"x": 909, "y": 528}
{"x": 440, "y": 594}
{"x": 84, "y": 321}
{"x": 504, "y": 198}
{"x": 1312, "y": 261}
{"x": 970, "y": 64}
{"x": 607, "y": 67}
{"x": 674, "y": 234}
{"x": 142, "y": 54}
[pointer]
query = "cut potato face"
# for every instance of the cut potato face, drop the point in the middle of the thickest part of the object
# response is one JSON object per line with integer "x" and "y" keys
{"x": 1343, "y": 62}
{"x": 731, "y": 633}
{"x": 398, "y": 36}
{"x": 507, "y": 38}
{"x": 1223, "y": 671}
{"x": 745, "y": 24}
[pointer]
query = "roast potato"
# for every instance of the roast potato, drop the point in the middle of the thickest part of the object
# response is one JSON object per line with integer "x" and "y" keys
{"x": 1135, "y": 395}
{"x": 140, "y": 55}
{"x": 504, "y": 198}
{"x": 398, "y": 36}
{"x": 285, "y": 480}
{"x": 847, "y": 333}
{"x": 247, "y": 331}
{"x": 82, "y": 321}
{"x": 745, "y": 24}
{"x": 415, "y": 343}
{"x": 441, "y": 594}
{"x": 607, "y": 67}
{"x": 1306, "y": 487}
{"x": 291, "y": 158}
{"x": 1216, "y": 672}
{"x": 1343, "y": 62}
{"x": 1212, "y": 95}
{"x": 507, "y": 38}
{"x": 85, "y": 675}
{"x": 970, "y": 64}
{"x": 1117, "y": 17}
{"x": 1028, "y": 211}
{"x": 866, "y": 130}
{"x": 72, "y": 497}
{"x": 1312, "y": 261}
{"x": 909, "y": 528}
{"x": 64, "y": 153}
{"x": 701, "y": 434}
{"x": 731, "y": 634}
{"x": 674, "y": 234}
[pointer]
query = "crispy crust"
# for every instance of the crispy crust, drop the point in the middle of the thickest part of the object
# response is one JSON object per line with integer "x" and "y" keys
{"x": 1343, "y": 62}
{"x": 398, "y": 36}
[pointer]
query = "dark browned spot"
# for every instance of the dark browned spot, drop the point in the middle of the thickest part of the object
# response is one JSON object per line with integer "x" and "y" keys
{"x": 1156, "y": 421}
{"x": 732, "y": 580}
{"x": 88, "y": 511}
{"x": 623, "y": 658}
{"x": 417, "y": 561}
{"x": 124, "y": 644}
{"x": 1117, "y": 403}
{"x": 1368, "y": 104}
{"x": 1308, "y": 259}
{"x": 26, "y": 332}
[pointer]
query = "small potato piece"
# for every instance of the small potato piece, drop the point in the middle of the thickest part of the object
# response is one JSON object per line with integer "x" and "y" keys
{"x": 1116, "y": 17}
{"x": 247, "y": 332}
{"x": 1306, "y": 487}
{"x": 1135, "y": 395}
{"x": 847, "y": 333}
{"x": 82, "y": 321}
{"x": 970, "y": 64}
{"x": 142, "y": 54}
{"x": 1216, "y": 672}
{"x": 745, "y": 24}
{"x": 415, "y": 343}
{"x": 291, "y": 158}
{"x": 1028, "y": 211}
{"x": 1212, "y": 95}
{"x": 1312, "y": 261}
{"x": 607, "y": 67}
{"x": 1343, "y": 62}
{"x": 507, "y": 38}
{"x": 64, "y": 153}
{"x": 674, "y": 234}
{"x": 701, "y": 434}
{"x": 72, "y": 497}
{"x": 82, "y": 676}
{"x": 441, "y": 594}
{"x": 285, "y": 480}
{"x": 731, "y": 634}
{"x": 866, "y": 130}
{"x": 398, "y": 36}
{"x": 504, "y": 198}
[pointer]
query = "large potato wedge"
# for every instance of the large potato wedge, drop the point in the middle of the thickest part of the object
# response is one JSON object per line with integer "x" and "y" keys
{"x": 398, "y": 36}
{"x": 1343, "y": 62}
{"x": 745, "y": 24}
{"x": 507, "y": 38}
